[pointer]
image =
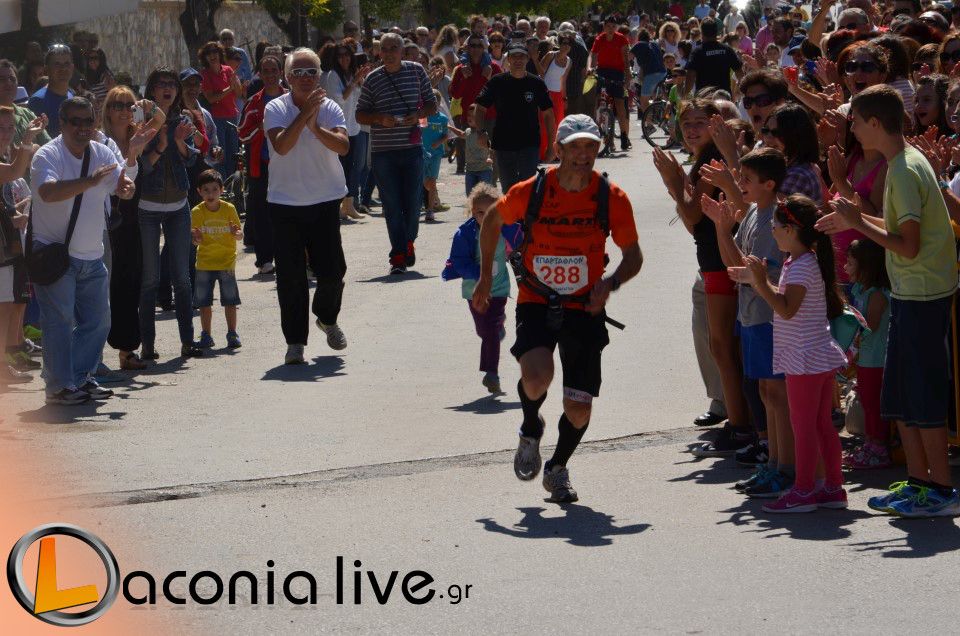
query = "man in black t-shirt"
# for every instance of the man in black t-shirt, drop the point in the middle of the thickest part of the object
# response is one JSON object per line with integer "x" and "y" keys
{"x": 710, "y": 63}
{"x": 518, "y": 97}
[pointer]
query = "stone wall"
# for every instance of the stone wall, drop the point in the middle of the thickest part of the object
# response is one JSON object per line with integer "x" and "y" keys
{"x": 136, "y": 42}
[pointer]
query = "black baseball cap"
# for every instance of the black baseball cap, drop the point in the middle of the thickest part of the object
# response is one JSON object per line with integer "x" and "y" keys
{"x": 516, "y": 47}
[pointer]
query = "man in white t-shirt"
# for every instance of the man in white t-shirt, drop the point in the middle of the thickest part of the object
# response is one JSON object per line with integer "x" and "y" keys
{"x": 74, "y": 310}
{"x": 307, "y": 134}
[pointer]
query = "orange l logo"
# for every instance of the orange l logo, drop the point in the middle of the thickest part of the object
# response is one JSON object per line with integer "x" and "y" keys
{"x": 49, "y": 598}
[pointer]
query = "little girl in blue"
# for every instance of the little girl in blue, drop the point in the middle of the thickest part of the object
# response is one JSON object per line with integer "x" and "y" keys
{"x": 464, "y": 262}
{"x": 434, "y": 138}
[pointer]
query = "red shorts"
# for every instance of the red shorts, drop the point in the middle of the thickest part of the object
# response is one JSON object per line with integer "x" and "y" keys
{"x": 719, "y": 283}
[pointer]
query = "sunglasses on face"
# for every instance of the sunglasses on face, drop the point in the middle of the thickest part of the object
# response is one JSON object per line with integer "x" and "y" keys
{"x": 851, "y": 67}
{"x": 761, "y": 101}
{"x": 122, "y": 105}
{"x": 165, "y": 84}
{"x": 78, "y": 122}
{"x": 305, "y": 72}
{"x": 850, "y": 25}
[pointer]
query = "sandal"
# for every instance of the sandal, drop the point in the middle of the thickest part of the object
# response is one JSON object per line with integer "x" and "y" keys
{"x": 130, "y": 361}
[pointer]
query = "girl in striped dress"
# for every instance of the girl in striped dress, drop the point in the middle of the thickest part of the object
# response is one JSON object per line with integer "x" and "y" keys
{"x": 805, "y": 300}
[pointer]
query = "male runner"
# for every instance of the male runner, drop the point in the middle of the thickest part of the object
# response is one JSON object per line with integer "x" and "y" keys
{"x": 562, "y": 291}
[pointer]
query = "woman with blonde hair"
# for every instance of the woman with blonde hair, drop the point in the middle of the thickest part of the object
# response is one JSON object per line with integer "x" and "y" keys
{"x": 122, "y": 133}
{"x": 446, "y": 46}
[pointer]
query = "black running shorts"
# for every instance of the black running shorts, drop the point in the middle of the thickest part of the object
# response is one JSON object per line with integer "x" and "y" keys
{"x": 581, "y": 338}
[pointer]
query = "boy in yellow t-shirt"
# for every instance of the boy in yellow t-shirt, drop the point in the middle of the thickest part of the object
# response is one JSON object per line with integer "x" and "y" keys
{"x": 215, "y": 227}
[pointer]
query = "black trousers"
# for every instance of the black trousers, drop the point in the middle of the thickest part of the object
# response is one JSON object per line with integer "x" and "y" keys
{"x": 300, "y": 232}
{"x": 125, "y": 273}
{"x": 257, "y": 207}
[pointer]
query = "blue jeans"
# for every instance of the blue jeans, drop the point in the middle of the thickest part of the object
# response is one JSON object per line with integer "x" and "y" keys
{"x": 517, "y": 165}
{"x": 176, "y": 234}
{"x": 229, "y": 141}
{"x": 75, "y": 319}
{"x": 473, "y": 178}
{"x": 353, "y": 164}
{"x": 366, "y": 179}
{"x": 399, "y": 176}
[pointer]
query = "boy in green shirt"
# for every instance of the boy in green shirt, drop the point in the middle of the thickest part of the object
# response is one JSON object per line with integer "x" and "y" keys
{"x": 921, "y": 262}
{"x": 215, "y": 227}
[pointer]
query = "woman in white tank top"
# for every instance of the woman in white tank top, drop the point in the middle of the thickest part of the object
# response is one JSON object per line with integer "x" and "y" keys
{"x": 556, "y": 65}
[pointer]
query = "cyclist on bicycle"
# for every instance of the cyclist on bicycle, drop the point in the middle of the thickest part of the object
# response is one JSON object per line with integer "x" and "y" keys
{"x": 650, "y": 60}
{"x": 609, "y": 58}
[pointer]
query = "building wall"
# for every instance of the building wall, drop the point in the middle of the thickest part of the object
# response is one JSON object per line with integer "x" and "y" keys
{"x": 136, "y": 42}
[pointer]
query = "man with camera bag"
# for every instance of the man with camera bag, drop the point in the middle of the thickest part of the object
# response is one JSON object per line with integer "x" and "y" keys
{"x": 567, "y": 213}
{"x": 72, "y": 178}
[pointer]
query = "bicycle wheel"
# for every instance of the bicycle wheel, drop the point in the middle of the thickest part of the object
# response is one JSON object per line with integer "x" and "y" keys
{"x": 239, "y": 196}
{"x": 657, "y": 125}
{"x": 609, "y": 131}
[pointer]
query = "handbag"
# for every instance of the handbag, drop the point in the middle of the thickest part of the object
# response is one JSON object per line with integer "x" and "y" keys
{"x": 46, "y": 264}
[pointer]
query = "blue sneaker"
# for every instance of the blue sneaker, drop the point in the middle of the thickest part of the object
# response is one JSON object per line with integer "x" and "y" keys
{"x": 206, "y": 341}
{"x": 772, "y": 486}
{"x": 898, "y": 490}
{"x": 233, "y": 340}
{"x": 760, "y": 474}
{"x": 927, "y": 502}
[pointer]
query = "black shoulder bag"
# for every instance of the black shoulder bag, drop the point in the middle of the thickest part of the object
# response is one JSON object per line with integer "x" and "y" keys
{"x": 47, "y": 264}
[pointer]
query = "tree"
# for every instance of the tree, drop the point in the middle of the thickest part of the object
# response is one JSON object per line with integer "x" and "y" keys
{"x": 198, "y": 25}
{"x": 293, "y": 16}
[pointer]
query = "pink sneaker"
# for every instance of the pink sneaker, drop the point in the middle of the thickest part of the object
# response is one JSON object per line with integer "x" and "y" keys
{"x": 835, "y": 499}
{"x": 793, "y": 501}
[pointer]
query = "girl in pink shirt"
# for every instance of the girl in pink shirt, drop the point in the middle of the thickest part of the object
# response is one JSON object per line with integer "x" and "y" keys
{"x": 803, "y": 349}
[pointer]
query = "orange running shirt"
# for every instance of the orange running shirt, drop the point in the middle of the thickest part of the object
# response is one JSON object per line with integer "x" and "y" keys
{"x": 567, "y": 246}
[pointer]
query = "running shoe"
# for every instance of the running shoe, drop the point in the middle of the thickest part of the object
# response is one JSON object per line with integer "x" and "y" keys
{"x": 67, "y": 397}
{"x": 294, "y": 354}
{"x": 233, "y": 340}
{"x": 526, "y": 461}
{"x": 728, "y": 442}
{"x": 31, "y": 348}
{"x": 758, "y": 475}
{"x": 898, "y": 490}
{"x": 21, "y": 361}
{"x": 10, "y": 375}
{"x": 106, "y": 375}
{"x": 556, "y": 481}
{"x": 835, "y": 499}
{"x": 363, "y": 209}
{"x": 792, "y": 501}
{"x": 95, "y": 391}
{"x": 442, "y": 207}
{"x": 429, "y": 217}
{"x": 868, "y": 456}
{"x": 190, "y": 350}
{"x": 266, "y": 268}
{"x": 708, "y": 419}
{"x": 927, "y": 502}
{"x": 206, "y": 341}
{"x": 625, "y": 143}
{"x": 492, "y": 382}
{"x": 335, "y": 338}
{"x": 771, "y": 486}
{"x": 754, "y": 454}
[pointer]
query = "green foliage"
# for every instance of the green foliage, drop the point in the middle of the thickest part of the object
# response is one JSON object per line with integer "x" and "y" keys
{"x": 323, "y": 14}
{"x": 456, "y": 11}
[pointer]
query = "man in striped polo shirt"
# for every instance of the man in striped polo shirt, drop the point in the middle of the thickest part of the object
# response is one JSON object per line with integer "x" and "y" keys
{"x": 393, "y": 100}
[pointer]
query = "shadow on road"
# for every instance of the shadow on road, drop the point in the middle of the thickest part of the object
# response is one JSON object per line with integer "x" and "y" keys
{"x": 823, "y": 525}
{"x": 322, "y": 367}
{"x": 580, "y": 526}
{"x": 57, "y": 414}
{"x": 922, "y": 538}
{"x": 489, "y": 404}
{"x": 398, "y": 278}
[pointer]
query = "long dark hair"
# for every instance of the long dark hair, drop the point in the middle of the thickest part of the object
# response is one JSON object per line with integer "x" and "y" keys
{"x": 940, "y": 85}
{"x": 801, "y": 212}
{"x": 95, "y": 76}
{"x": 165, "y": 72}
{"x": 796, "y": 130}
{"x": 871, "y": 263}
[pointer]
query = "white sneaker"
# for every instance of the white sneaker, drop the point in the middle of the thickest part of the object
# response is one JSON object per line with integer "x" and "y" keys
{"x": 294, "y": 354}
{"x": 335, "y": 337}
{"x": 266, "y": 268}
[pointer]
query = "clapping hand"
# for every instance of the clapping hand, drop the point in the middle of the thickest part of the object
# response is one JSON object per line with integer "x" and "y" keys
{"x": 139, "y": 139}
{"x": 100, "y": 174}
{"x": 125, "y": 187}
{"x": 183, "y": 130}
{"x": 827, "y": 72}
{"x": 34, "y": 128}
{"x": 846, "y": 215}
{"x": 837, "y": 167}
{"x": 757, "y": 269}
{"x": 719, "y": 175}
{"x": 720, "y": 211}
{"x": 671, "y": 172}
{"x": 726, "y": 139}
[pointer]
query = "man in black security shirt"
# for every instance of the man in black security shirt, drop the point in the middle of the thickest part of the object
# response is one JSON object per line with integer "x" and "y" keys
{"x": 711, "y": 62}
{"x": 518, "y": 97}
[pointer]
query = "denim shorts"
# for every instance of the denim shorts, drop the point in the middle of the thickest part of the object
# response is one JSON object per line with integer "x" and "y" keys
{"x": 756, "y": 344}
{"x": 431, "y": 166}
{"x": 203, "y": 288}
{"x": 916, "y": 372}
{"x": 650, "y": 83}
